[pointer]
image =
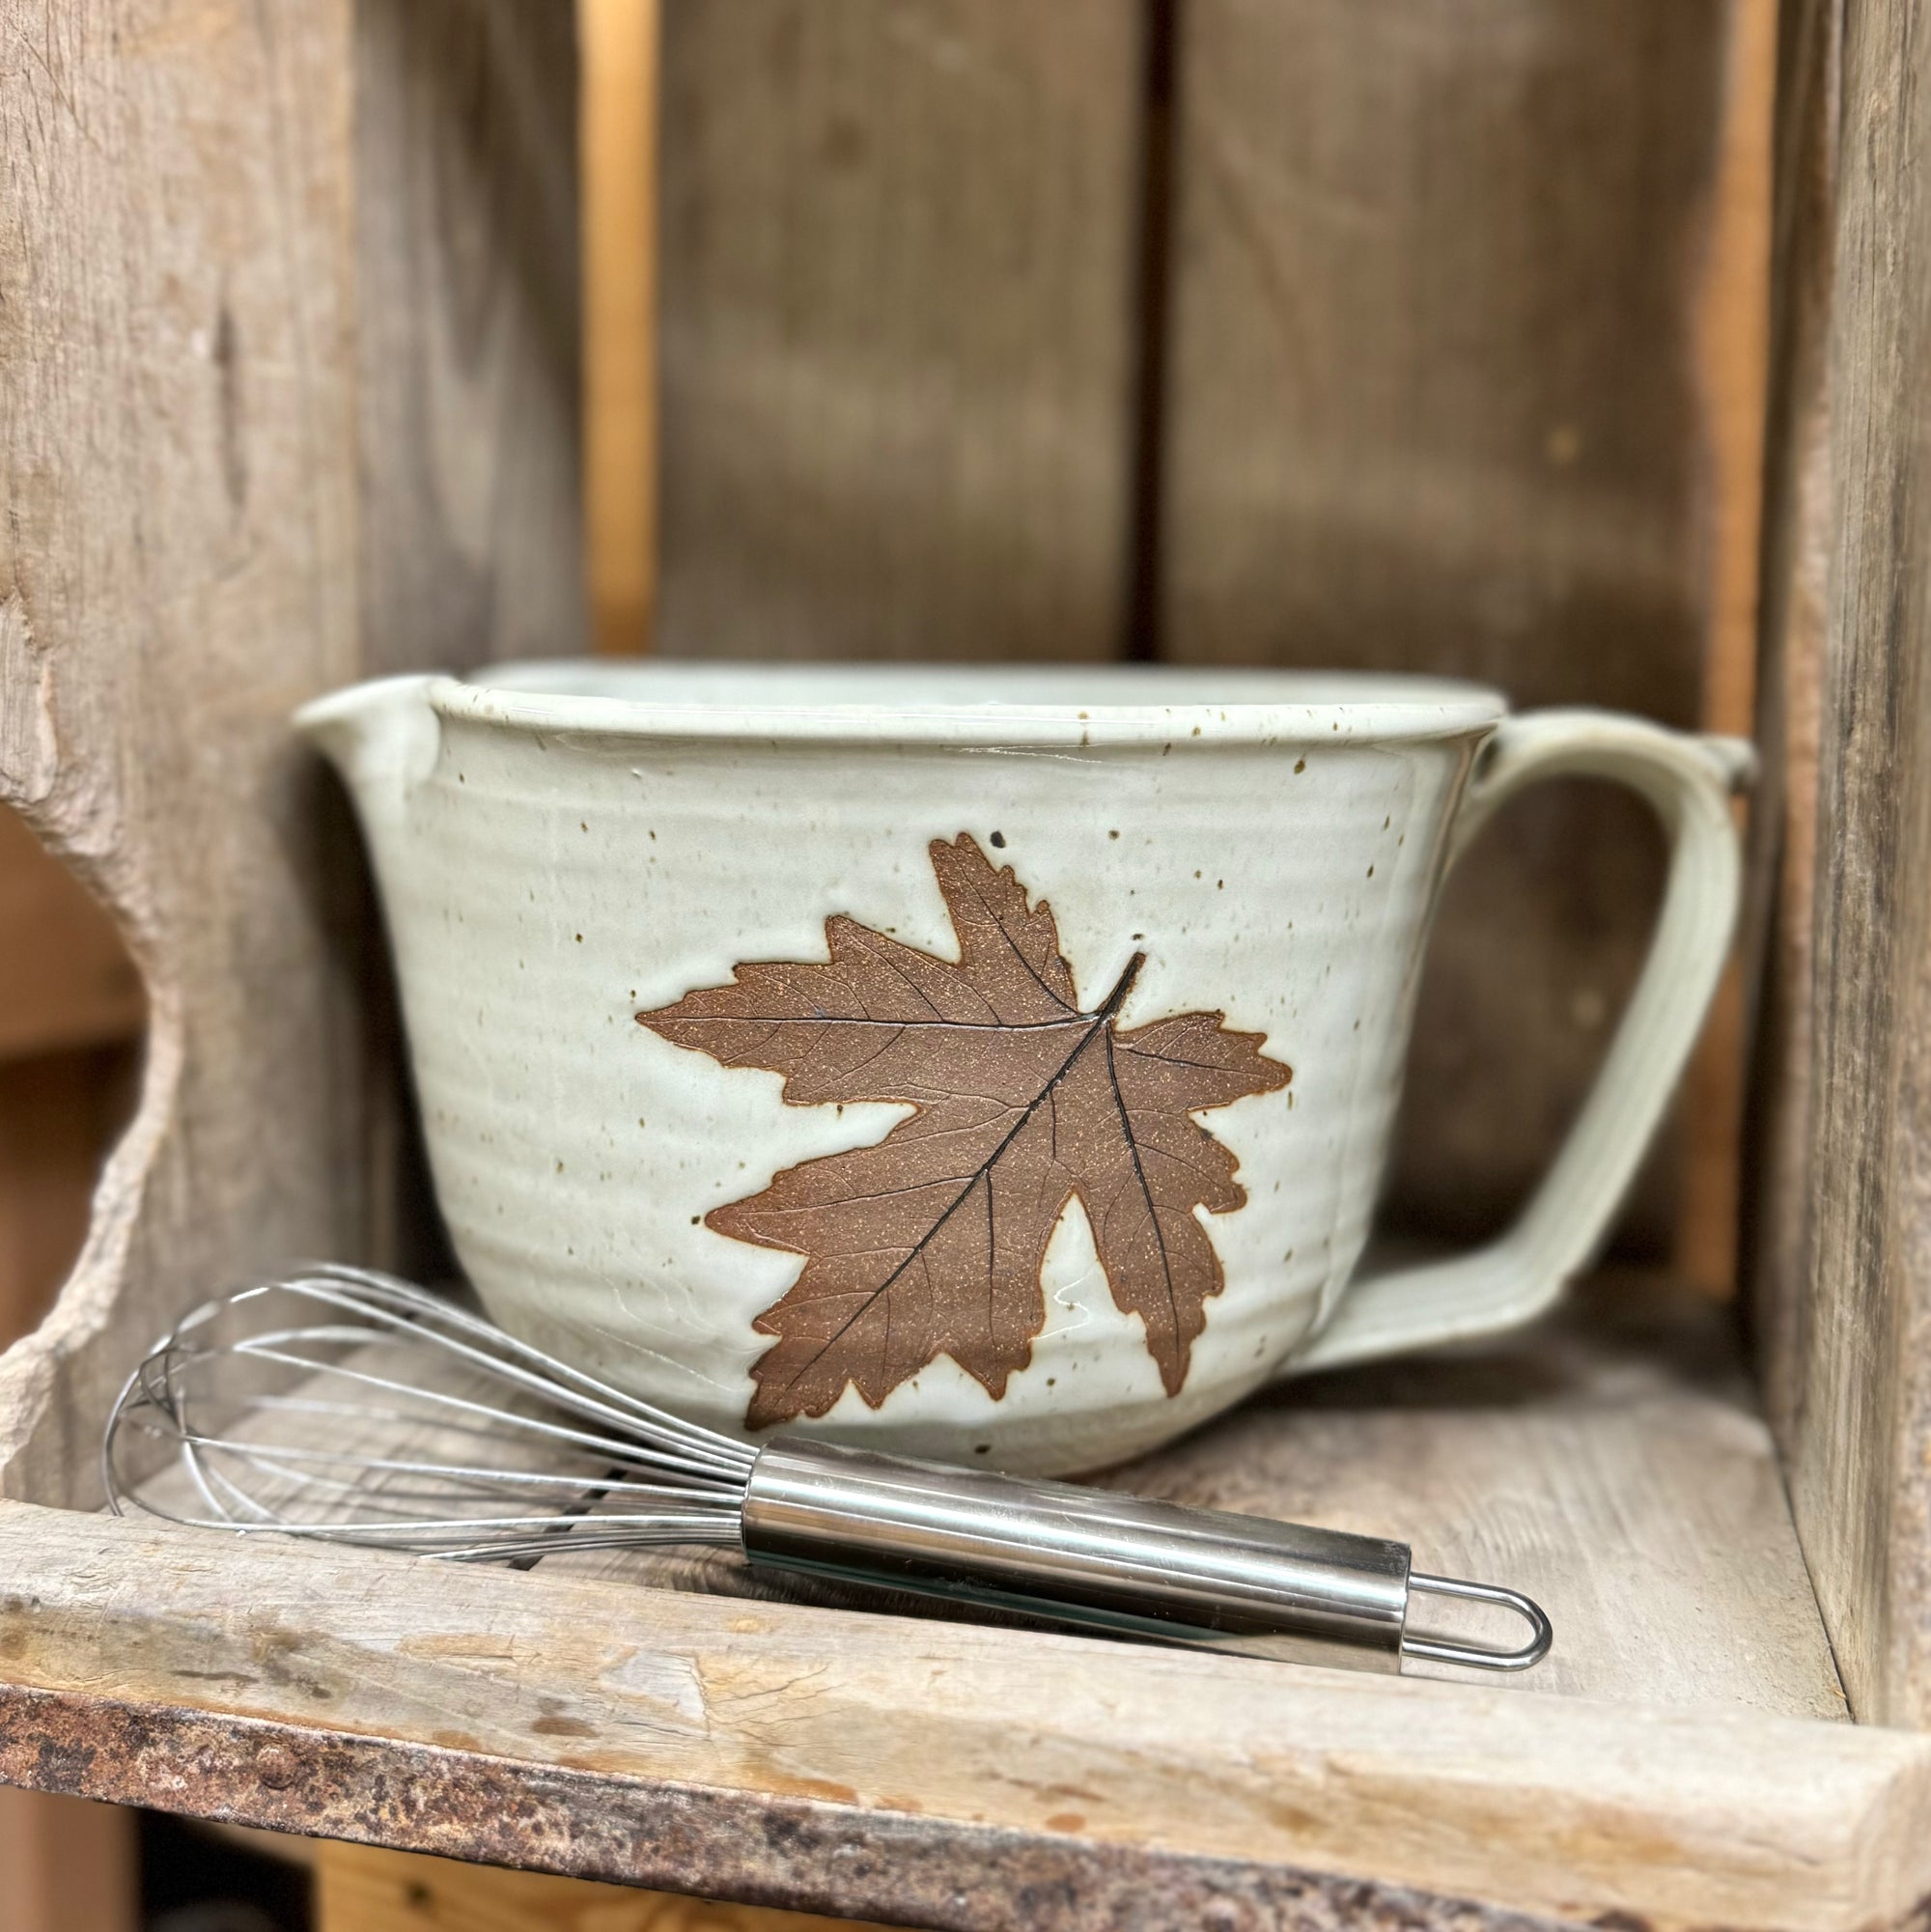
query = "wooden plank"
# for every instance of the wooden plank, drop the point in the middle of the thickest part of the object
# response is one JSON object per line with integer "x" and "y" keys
{"x": 360, "y": 1889}
{"x": 65, "y": 1865}
{"x": 470, "y": 325}
{"x": 177, "y": 567}
{"x": 66, "y": 979}
{"x": 1861, "y": 1440}
{"x": 897, "y": 327}
{"x": 1430, "y": 407}
{"x": 908, "y": 1771}
{"x": 344, "y": 489}
{"x": 1621, "y": 1425}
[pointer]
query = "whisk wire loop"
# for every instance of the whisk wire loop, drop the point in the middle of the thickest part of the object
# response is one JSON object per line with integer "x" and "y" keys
{"x": 407, "y": 1311}
{"x": 437, "y": 1411}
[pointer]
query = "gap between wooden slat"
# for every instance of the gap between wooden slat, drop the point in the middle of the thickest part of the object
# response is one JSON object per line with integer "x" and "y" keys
{"x": 1153, "y": 287}
{"x": 1732, "y": 348}
{"x": 620, "y": 42}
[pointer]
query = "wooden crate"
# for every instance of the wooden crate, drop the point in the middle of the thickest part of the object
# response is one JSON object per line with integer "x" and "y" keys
{"x": 290, "y": 354}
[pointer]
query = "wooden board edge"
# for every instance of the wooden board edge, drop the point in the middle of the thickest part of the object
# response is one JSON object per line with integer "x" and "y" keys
{"x": 705, "y": 1745}
{"x": 798, "y": 1854}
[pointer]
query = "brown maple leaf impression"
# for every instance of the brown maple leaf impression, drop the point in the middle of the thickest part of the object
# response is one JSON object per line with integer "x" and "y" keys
{"x": 931, "y": 1242}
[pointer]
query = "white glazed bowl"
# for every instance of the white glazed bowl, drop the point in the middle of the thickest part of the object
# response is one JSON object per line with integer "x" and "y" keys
{"x": 567, "y": 846}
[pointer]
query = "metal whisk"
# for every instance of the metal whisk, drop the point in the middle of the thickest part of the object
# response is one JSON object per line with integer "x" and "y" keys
{"x": 347, "y": 1404}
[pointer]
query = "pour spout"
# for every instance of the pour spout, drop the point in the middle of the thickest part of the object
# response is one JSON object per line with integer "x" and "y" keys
{"x": 383, "y": 738}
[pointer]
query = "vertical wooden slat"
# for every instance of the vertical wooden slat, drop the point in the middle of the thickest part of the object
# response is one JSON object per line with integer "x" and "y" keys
{"x": 178, "y": 566}
{"x": 618, "y": 143}
{"x": 898, "y": 255}
{"x": 288, "y": 393}
{"x": 1860, "y": 1436}
{"x": 1433, "y": 405}
{"x": 470, "y": 325}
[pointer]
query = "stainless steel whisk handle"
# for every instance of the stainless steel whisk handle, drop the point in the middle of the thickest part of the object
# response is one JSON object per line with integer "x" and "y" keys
{"x": 1103, "y": 1561}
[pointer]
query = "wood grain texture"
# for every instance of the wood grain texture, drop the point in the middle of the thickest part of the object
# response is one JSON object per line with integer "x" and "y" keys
{"x": 890, "y": 1865}
{"x": 1430, "y": 405}
{"x": 177, "y": 461}
{"x": 1610, "y": 1463}
{"x": 1861, "y": 1449}
{"x": 922, "y": 1736}
{"x": 228, "y": 491}
{"x": 362, "y": 1889}
{"x": 897, "y": 327}
{"x": 66, "y": 979}
{"x": 470, "y": 323}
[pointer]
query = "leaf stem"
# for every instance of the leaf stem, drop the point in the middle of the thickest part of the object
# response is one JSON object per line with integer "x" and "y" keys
{"x": 1122, "y": 986}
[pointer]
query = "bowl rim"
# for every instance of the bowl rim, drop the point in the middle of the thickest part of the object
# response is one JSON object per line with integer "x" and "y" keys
{"x": 582, "y": 697}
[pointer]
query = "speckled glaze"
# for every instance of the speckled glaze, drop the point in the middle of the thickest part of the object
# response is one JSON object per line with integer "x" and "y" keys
{"x": 568, "y": 845}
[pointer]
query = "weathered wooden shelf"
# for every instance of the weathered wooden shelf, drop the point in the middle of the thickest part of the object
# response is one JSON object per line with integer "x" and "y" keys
{"x": 943, "y": 1774}
{"x": 1611, "y": 1462}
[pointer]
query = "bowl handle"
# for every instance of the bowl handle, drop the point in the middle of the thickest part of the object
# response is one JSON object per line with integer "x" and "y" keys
{"x": 1688, "y": 780}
